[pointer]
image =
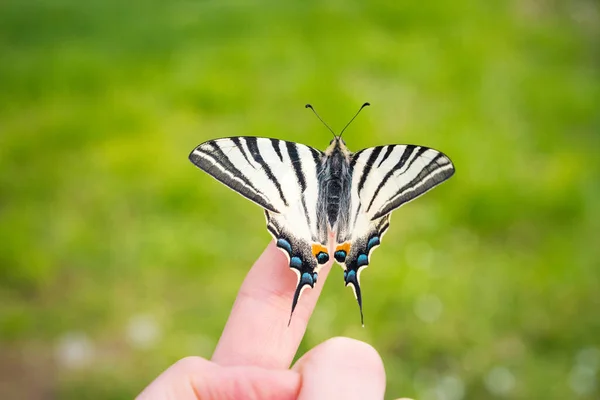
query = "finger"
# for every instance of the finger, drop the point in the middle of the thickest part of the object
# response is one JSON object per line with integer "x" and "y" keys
{"x": 257, "y": 332}
{"x": 195, "y": 378}
{"x": 341, "y": 368}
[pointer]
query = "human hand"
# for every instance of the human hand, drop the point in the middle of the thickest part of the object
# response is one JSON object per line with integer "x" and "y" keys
{"x": 254, "y": 353}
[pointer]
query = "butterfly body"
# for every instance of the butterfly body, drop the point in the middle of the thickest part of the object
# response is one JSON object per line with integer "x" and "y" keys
{"x": 327, "y": 204}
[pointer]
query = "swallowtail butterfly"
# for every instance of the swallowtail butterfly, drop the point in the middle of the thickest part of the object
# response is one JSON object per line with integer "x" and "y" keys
{"x": 324, "y": 204}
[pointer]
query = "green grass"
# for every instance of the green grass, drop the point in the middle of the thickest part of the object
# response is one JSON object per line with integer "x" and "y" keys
{"x": 103, "y": 218}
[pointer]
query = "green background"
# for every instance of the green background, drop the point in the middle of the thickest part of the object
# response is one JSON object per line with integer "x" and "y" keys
{"x": 118, "y": 256}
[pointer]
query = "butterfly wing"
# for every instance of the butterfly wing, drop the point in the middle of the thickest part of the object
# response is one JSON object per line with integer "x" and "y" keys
{"x": 383, "y": 179}
{"x": 281, "y": 177}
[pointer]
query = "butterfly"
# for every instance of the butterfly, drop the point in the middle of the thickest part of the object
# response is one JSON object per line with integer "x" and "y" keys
{"x": 324, "y": 204}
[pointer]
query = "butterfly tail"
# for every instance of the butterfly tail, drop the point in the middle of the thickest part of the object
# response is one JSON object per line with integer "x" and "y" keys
{"x": 305, "y": 280}
{"x": 351, "y": 278}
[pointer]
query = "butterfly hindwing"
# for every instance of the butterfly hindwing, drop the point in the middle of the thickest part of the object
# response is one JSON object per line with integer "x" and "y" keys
{"x": 354, "y": 255}
{"x": 304, "y": 258}
{"x": 281, "y": 177}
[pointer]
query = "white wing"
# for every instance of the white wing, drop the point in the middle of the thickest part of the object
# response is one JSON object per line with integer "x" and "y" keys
{"x": 383, "y": 179}
{"x": 281, "y": 177}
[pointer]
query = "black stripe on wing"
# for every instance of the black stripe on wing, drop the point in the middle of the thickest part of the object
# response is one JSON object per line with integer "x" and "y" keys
{"x": 369, "y": 164}
{"x": 238, "y": 144}
{"x": 388, "y": 151}
{"x": 252, "y": 144}
{"x": 275, "y": 145}
{"x": 292, "y": 149}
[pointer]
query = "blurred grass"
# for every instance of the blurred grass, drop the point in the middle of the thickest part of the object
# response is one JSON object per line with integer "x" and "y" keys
{"x": 487, "y": 287}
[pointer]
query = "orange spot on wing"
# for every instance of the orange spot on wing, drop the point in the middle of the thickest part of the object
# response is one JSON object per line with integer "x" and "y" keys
{"x": 317, "y": 248}
{"x": 344, "y": 246}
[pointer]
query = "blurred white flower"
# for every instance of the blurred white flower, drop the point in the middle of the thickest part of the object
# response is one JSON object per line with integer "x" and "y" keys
{"x": 582, "y": 380}
{"x": 500, "y": 381}
{"x": 589, "y": 357}
{"x": 143, "y": 331}
{"x": 432, "y": 394}
{"x": 74, "y": 350}
{"x": 428, "y": 308}
{"x": 452, "y": 387}
{"x": 445, "y": 388}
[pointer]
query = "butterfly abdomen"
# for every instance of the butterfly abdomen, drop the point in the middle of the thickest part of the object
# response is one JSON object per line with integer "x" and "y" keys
{"x": 334, "y": 193}
{"x": 334, "y": 190}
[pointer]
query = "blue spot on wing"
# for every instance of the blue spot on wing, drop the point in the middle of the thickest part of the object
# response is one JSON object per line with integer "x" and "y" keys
{"x": 350, "y": 276}
{"x": 306, "y": 279}
{"x": 340, "y": 256}
{"x": 374, "y": 241}
{"x": 322, "y": 257}
{"x": 362, "y": 260}
{"x": 296, "y": 262}
{"x": 284, "y": 244}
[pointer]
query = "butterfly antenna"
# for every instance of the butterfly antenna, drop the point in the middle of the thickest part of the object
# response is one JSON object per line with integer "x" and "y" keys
{"x": 313, "y": 110}
{"x": 355, "y": 115}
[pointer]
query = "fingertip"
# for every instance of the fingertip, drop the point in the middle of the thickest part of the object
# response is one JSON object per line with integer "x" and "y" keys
{"x": 354, "y": 354}
{"x": 259, "y": 331}
{"x": 341, "y": 368}
{"x": 189, "y": 364}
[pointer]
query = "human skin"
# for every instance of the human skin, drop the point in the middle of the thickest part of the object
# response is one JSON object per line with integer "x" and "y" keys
{"x": 253, "y": 357}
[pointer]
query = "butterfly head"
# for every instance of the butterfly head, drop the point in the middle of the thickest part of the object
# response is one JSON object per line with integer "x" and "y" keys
{"x": 337, "y": 146}
{"x": 337, "y": 141}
